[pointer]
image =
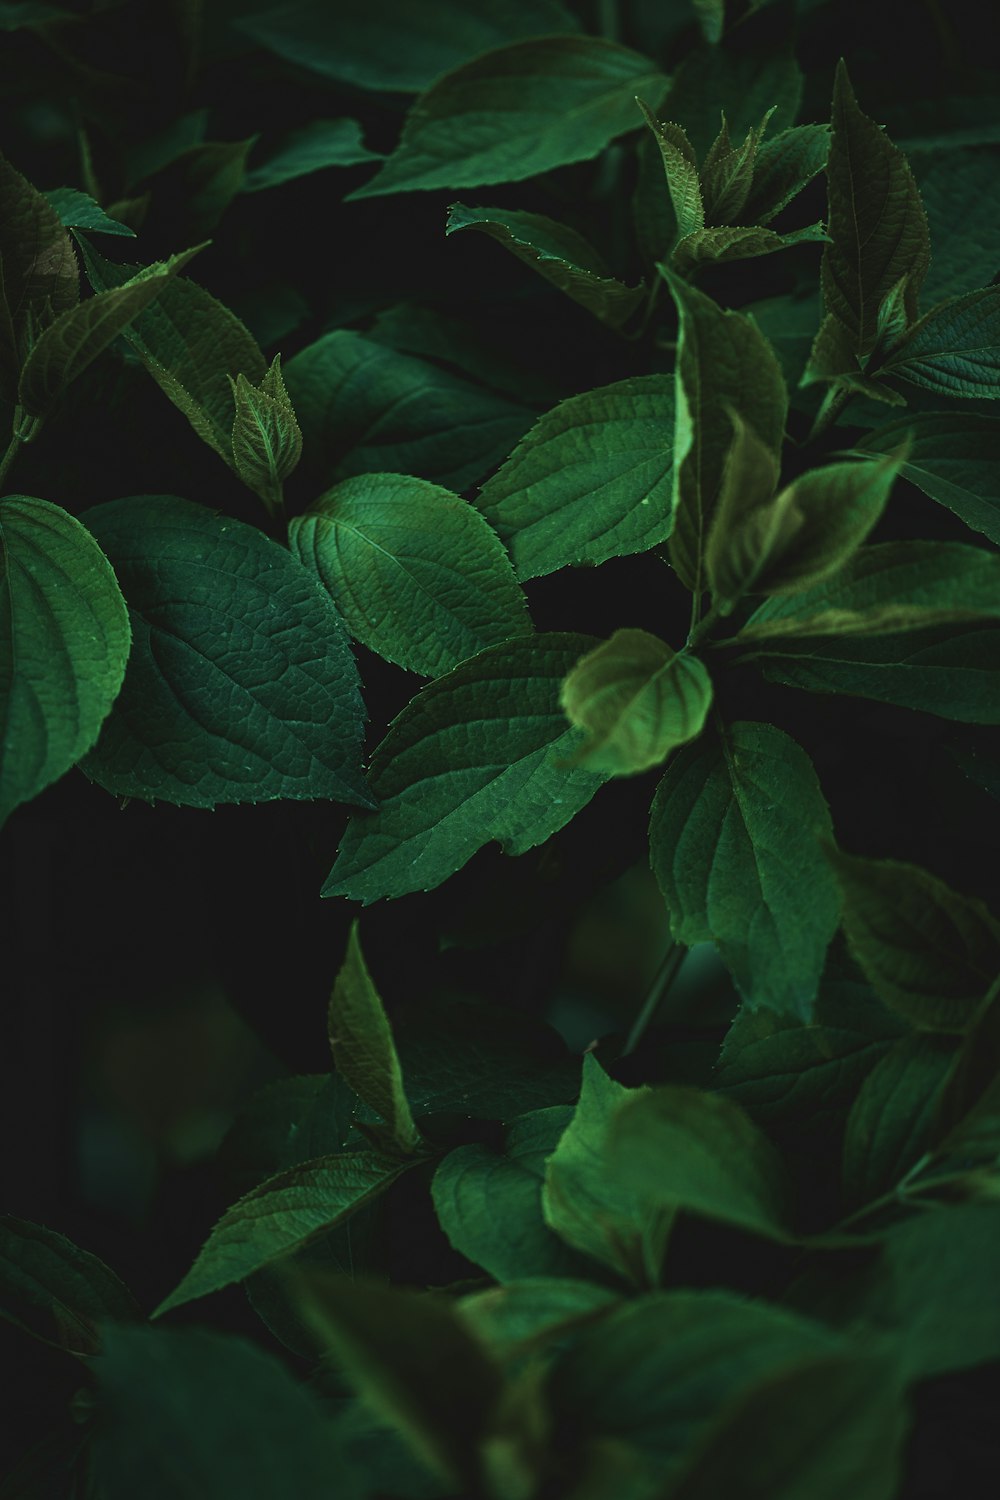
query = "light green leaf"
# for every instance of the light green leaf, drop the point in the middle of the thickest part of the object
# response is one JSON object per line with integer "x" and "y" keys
{"x": 724, "y": 364}
{"x": 267, "y": 439}
{"x": 681, "y": 167}
{"x": 41, "y": 277}
{"x": 591, "y": 481}
{"x": 955, "y": 348}
{"x": 363, "y": 1049}
{"x": 734, "y": 838}
{"x": 241, "y": 686}
{"x": 878, "y": 228}
{"x": 477, "y": 755}
{"x": 957, "y": 188}
{"x": 782, "y": 168}
{"x": 55, "y": 1291}
{"x": 79, "y": 211}
{"x": 77, "y": 336}
{"x": 416, "y": 572}
{"x": 930, "y": 953}
{"x": 395, "y": 45}
{"x": 64, "y": 642}
{"x": 281, "y": 1215}
{"x": 320, "y": 144}
{"x": 636, "y": 700}
{"x": 952, "y": 456}
{"x": 744, "y": 83}
{"x": 516, "y": 112}
{"x": 748, "y": 525}
{"x": 558, "y": 253}
{"x": 366, "y": 409}
{"x": 889, "y": 1125}
{"x": 732, "y": 242}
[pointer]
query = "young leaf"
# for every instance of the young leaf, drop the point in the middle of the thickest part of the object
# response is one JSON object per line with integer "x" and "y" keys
{"x": 888, "y": 1128}
{"x": 475, "y": 756}
{"x": 267, "y": 439}
{"x": 681, "y": 167}
{"x": 559, "y": 254}
{"x": 734, "y": 837}
{"x": 64, "y": 642}
{"x": 727, "y": 173}
{"x": 955, "y": 348}
{"x": 79, "y": 211}
{"x": 930, "y": 953}
{"x": 281, "y": 1215}
{"x": 320, "y": 144}
{"x": 241, "y": 686}
{"x": 41, "y": 278}
{"x": 416, "y": 572}
{"x": 591, "y": 480}
{"x": 723, "y": 364}
{"x": 636, "y": 700}
{"x": 952, "y": 456}
{"x": 749, "y": 525}
{"x": 364, "y": 1052}
{"x": 516, "y": 112}
{"x": 55, "y": 1291}
{"x": 732, "y": 242}
{"x": 782, "y": 168}
{"x": 878, "y": 228}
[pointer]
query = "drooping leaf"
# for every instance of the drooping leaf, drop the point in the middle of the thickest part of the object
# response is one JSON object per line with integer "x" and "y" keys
{"x": 782, "y": 168}
{"x": 591, "y": 480}
{"x": 41, "y": 277}
{"x": 349, "y": 42}
{"x": 518, "y": 111}
{"x": 929, "y": 952}
{"x": 556, "y": 252}
{"x": 79, "y": 211}
{"x": 636, "y": 700}
{"x": 241, "y": 685}
{"x": 266, "y": 438}
{"x": 64, "y": 642}
{"x": 952, "y": 456}
{"x": 318, "y": 145}
{"x": 56, "y": 1291}
{"x": 416, "y": 572}
{"x": 889, "y": 1125}
{"x": 477, "y": 755}
{"x": 731, "y": 242}
{"x": 366, "y": 409}
{"x": 681, "y": 167}
{"x": 364, "y": 1052}
{"x": 954, "y": 350}
{"x": 734, "y": 834}
{"x": 744, "y": 83}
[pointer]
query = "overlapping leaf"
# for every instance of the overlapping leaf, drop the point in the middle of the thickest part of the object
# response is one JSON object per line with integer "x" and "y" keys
{"x": 952, "y": 456}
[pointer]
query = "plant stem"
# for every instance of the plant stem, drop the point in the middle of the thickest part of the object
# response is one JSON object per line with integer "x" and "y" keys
{"x": 21, "y": 432}
{"x": 658, "y": 991}
{"x": 701, "y": 628}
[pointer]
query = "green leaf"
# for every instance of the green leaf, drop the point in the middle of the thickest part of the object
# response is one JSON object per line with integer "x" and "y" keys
{"x": 79, "y": 211}
{"x": 477, "y": 755}
{"x": 683, "y": 1149}
{"x": 734, "y": 836}
{"x": 281, "y": 1215}
{"x": 39, "y": 274}
{"x": 585, "y": 1200}
{"x": 878, "y": 228}
{"x": 957, "y": 188}
{"x": 516, "y": 112}
{"x": 930, "y": 953}
{"x": 889, "y": 1125}
{"x": 241, "y": 686}
{"x": 320, "y": 144}
{"x": 724, "y": 364}
{"x": 489, "y": 1203}
{"x": 749, "y": 526}
{"x": 200, "y": 183}
{"x": 367, "y": 409}
{"x": 728, "y": 171}
{"x": 558, "y": 253}
{"x": 782, "y": 168}
{"x": 952, "y": 456}
{"x": 535, "y": 1311}
{"x": 54, "y": 1290}
{"x": 64, "y": 642}
{"x": 186, "y": 1413}
{"x": 732, "y": 242}
{"x": 363, "y": 1049}
{"x": 415, "y": 571}
{"x": 74, "y": 339}
{"x": 955, "y": 348}
{"x": 591, "y": 481}
{"x": 744, "y": 83}
{"x": 267, "y": 439}
{"x": 712, "y": 16}
{"x": 393, "y": 46}
{"x": 681, "y": 166}
{"x": 636, "y": 700}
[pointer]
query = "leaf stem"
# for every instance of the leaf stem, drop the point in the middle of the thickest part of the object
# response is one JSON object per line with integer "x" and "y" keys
{"x": 658, "y": 991}
{"x": 21, "y": 432}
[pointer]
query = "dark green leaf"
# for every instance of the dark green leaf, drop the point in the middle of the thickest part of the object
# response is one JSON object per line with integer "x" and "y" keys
{"x": 39, "y": 275}
{"x": 320, "y": 144}
{"x": 559, "y": 254}
{"x": 416, "y": 572}
{"x": 477, "y": 755}
{"x": 56, "y": 1291}
{"x": 201, "y": 182}
{"x": 79, "y": 211}
{"x": 952, "y": 456}
{"x": 516, "y": 112}
{"x": 728, "y": 171}
{"x": 681, "y": 167}
{"x": 64, "y": 642}
{"x": 734, "y": 840}
{"x": 730, "y": 242}
{"x": 535, "y": 1311}
{"x": 958, "y": 190}
{"x": 267, "y": 439}
{"x": 241, "y": 686}
{"x": 889, "y": 1125}
{"x": 286, "y": 1123}
{"x": 744, "y": 84}
{"x": 955, "y": 348}
{"x": 783, "y": 167}
{"x": 712, "y": 15}
{"x": 591, "y": 480}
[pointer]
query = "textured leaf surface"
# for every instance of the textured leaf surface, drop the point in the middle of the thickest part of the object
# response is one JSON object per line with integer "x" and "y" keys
{"x": 952, "y": 456}
{"x": 958, "y": 189}
{"x": 591, "y": 480}
{"x": 889, "y": 1125}
{"x": 734, "y": 840}
{"x": 730, "y": 242}
{"x": 416, "y": 572}
{"x": 955, "y": 348}
{"x": 79, "y": 211}
{"x": 64, "y": 642}
{"x": 477, "y": 755}
{"x": 320, "y": 144}
{"x": 241, "y": 686}
{"x": 783, "y": 167}
{"x": 56, "y": 1291}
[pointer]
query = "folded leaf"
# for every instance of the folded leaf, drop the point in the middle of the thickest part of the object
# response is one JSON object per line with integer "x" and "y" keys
{"x": 955, "y": 348}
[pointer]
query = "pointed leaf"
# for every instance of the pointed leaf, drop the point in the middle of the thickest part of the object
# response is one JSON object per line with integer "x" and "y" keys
{"x": 241, "y": 686}
{"x": 591, "y": 480}
{"x": 888, "y": 1128}
{"x": 954, "y": 457}
{"x": 516, "y": 112}
{"x": 416, "y": 572}
{"x": 727, "y": 173}
{"x": 55, "y": 1291}
{"x": 477, "y": 755}
{"x": 39, "y": 275}
{"x": 267, "y": 439}
{"x": 732, "y": 242}
{"x": 636, "y": 700}
{"x": 955, "y": 348}
{"x": 79, "y": 211}
{"x": 681, "y": 167}
{"x": 734, "y": 837}
{"x": 318, "y": 145}
{"x": 64, "y": 642}
{"x": 782, "y": 168}
{"x": 749, "y": 525}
